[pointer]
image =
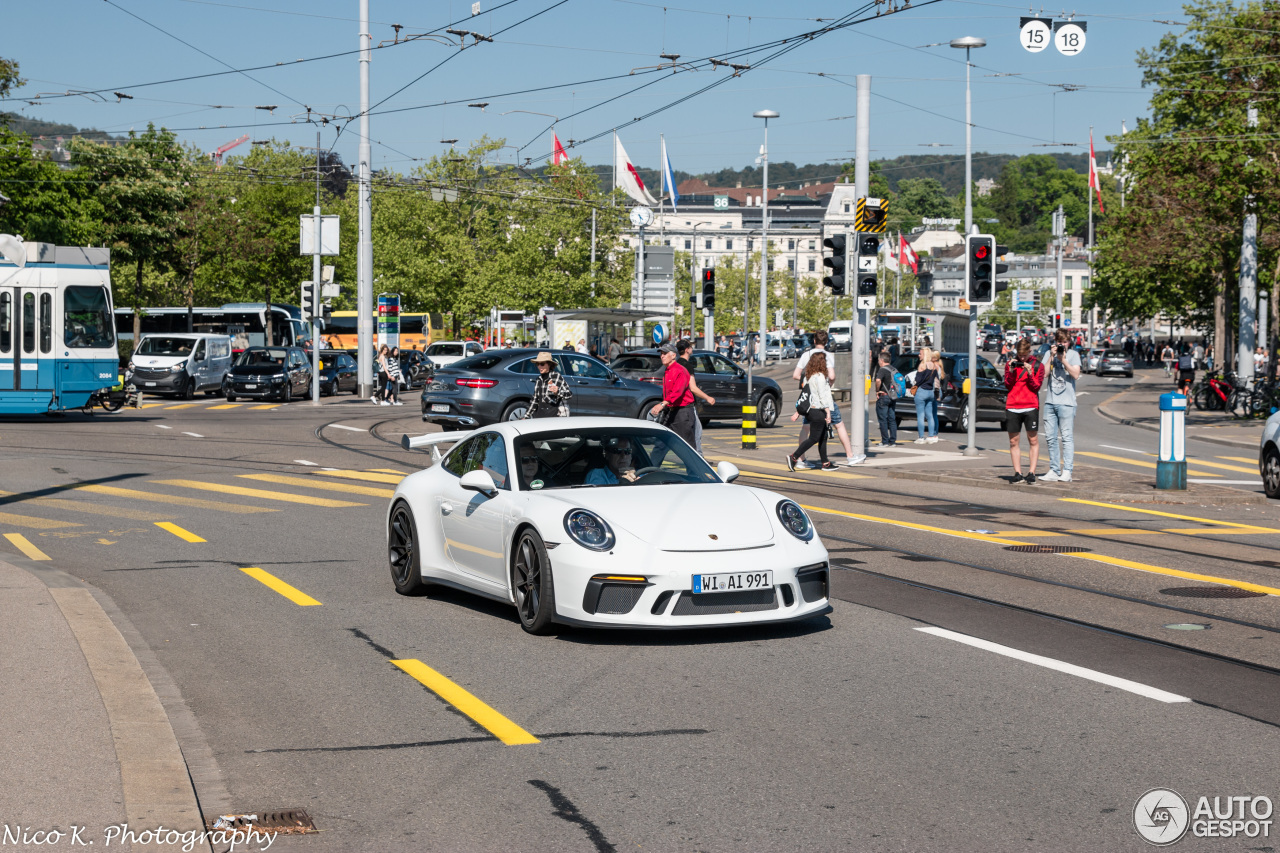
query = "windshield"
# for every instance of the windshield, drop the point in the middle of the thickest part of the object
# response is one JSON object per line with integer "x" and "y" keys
{"x": 262, "y": 357}
{"x": 604, "y": 457}
{"x": 166, "y": 346}
{"x": 445, "y": 349}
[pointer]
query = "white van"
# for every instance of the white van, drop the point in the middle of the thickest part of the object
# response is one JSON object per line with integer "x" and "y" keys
{"x": 840, "y": 336}
{"x": 181, "y": 364}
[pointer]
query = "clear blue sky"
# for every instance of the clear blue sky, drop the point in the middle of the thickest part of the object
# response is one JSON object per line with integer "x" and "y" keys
{"x": 917, "y": 101}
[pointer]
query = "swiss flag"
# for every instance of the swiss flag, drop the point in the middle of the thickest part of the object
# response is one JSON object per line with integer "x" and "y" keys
{"x": 559, "y": 156}
{"x": 907, "y": 255}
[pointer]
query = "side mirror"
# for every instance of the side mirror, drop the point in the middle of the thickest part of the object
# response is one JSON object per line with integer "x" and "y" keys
{"x": 727, "y": 470}
{"x": 479, "y": 481}
{"x": 614, "y": 378}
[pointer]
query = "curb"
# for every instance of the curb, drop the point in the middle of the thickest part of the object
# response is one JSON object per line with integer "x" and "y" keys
{"x": 1124, "y": 497}
{"x": 1225, "y": 442}
{"x": 155, "y": 782}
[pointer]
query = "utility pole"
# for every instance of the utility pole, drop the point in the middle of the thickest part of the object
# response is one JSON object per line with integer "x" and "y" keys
{"x": 593, "y": 253}
{"x": 1248, "y": 284}
{"x": 858, "y": 345}
{"x": 315, "y": 286}
{"x": 364, "y": 250}
{"x": 1059, "y": 229}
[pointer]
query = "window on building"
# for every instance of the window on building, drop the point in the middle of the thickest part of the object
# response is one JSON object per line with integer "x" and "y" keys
{"x": 688, "y": 244}
{"x": 666, "y": 242}
{"x": 728, "y": 245}
{"x": 1035, "y": 266}
{"x": 813, "y": 265}
{"x": 1066, "y": 282}
{"x": 846, "y": 207}
{"x": 813, "y": 244}
{"x": 791, "y": 265}
{"x": 707, "y": 245}
{"x": 751, "y": 244}
{"x": 771, "y": 265}
{"x": 791, "y": 245}
{"x": 1084, "y": 282}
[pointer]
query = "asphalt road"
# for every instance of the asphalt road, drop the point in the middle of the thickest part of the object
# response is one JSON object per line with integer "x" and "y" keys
{"x": 891, "y": 724}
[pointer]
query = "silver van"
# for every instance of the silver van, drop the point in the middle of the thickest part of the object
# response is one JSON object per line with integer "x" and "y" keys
{"x": 181, "y": 364}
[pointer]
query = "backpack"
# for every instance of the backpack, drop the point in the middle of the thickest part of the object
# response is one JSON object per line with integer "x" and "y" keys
{"x": 802, "y": 402}
{"x": 899, "y": 385}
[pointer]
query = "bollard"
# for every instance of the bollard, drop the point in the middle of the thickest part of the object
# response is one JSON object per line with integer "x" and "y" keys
{"x": 1171, "y": 467}
{"x": 748, "y": 427}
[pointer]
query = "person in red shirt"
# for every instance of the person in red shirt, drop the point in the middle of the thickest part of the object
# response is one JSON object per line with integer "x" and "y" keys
{"x": 677, "y": 397}
{"x": 1023, "y": 376}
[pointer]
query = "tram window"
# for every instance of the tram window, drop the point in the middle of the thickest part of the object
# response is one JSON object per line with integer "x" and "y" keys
{"x": 6, "y": 322}
{"x": 28, "y": 322}
{"x": 86, "y": 318}
{"x": 46, "y": 322}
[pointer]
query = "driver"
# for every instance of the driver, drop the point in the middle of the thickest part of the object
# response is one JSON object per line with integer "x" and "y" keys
{"x": 618, "y": 467}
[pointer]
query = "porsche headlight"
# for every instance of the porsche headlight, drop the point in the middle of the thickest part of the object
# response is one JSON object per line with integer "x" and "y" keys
{"x": 589, "y": 530}
{"x": 794, "y": 519}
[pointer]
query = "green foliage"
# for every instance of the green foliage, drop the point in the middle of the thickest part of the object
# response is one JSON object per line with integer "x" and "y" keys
{"x": 9, "y": 76}
{"x": 46, "y": 204}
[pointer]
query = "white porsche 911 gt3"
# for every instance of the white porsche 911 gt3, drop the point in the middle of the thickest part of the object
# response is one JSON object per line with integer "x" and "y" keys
{"x": 602, "y": 522}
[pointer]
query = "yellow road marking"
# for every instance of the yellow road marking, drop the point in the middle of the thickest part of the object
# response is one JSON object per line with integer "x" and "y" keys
{"x": 1160, "y": 570}
{"x": 1168, "y": 514}
{"x": 91, "y": 508}
{"x": 459, "y": 697}
{"x": 778, "y": 466}
{"x": 1220, "y": 466}
{"x": 26, "y": 547}
{"x": 1242, "y": 459}
{"x": 33, "y": 522}
{"x": 170, "y": 499}
{"x": 267, "y": 406}
{"x": 180, "y": 406}
{"x": 390, "y": 471}
{"x": 150, "y": 405}
{"x": 178, "y": 531}
{"x": 1138, "y": 462}
{"x": 256, "y": 493}
{"x": 1086, "y": 531}
{"x": 963, "y": 534}
{"x": 1218, "y": 531}
{"x": 349, "y": 488}
{"x": 226, "y": 406}
{"x": 362, "y": 475}
{"x": 294, "y": 594}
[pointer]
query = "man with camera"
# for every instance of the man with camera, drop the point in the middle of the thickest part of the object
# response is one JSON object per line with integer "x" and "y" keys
{"x": 1062, "y": 364}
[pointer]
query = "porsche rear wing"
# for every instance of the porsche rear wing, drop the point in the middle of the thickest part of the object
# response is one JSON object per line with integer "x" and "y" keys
{"x": 433, "y": 440}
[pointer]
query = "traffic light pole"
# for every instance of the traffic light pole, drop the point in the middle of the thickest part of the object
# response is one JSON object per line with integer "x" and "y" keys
{"x": 315, "y": 286}
{"x": 972, "y": 448}
{"x": 858, "y": 354}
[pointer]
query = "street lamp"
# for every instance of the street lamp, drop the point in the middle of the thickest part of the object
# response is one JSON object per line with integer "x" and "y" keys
{"x": 969, "y": 43}
{"x": 764, "y": 228}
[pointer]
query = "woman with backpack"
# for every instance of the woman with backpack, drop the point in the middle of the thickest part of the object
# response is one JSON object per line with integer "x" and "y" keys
{"x": 815, "y": 405}
{"x": 926, "y": 384}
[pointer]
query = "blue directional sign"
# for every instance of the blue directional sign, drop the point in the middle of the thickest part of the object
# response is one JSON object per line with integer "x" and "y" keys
{"x": 659, "y": 333}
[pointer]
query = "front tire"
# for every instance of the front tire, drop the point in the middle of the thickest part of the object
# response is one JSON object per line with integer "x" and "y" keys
{"x": 402, "y": 552}
{"x": 189, "y": 390}
{"x": 1271, "y": 473}
{"x": 286, "y": 396}
{"x": 766, "y": 411}
{"x": 532, "y": 587}
{"x": 230, "y": 398}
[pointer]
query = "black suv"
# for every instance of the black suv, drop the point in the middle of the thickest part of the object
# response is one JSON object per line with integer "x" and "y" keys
{"x": 953, "y": 403}
{"x": 717, "y": 377}
{"x": 496, "y": 385}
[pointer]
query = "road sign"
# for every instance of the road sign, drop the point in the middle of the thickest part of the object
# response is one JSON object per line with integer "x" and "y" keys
{"x": 720, "y": 202}
{"x": 1066, "y": 322}
{"x": 389, "y": 319}
{"x": 658, "y": 333}
{"x": 1036, "y": 34}
{"x": 1068, "y": 36}
{"x": 871, "y": 215}
{"x": 1024, "y": 300}
{"x": 328, "y": 235}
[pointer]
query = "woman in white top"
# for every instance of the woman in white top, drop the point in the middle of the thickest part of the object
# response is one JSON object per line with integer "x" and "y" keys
{"x": 819, "y": 414}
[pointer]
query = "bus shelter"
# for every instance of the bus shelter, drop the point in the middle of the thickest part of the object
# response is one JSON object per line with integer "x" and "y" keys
{"x": 597, "y": 326}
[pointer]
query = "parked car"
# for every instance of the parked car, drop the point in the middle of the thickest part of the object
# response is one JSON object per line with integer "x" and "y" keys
{"x": 280, "y": 373}
{"x": 779, "y": 348}
{"x": 497, "y": 385}
{"x": 1269, "y": 456}
{"x": 181, "y": 364}
{"x": 338, "y": 372}
{"x": 444, "y": 353}
{"x": 416, "y": 368}
{"x": 953, "y": 405}
{"x": 718, "y": 377}
{"x": 1115, "y": 361}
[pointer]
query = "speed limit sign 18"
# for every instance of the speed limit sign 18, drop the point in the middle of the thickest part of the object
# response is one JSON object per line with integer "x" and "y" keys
{"x": 1036, "y": 34}
{"x": 1068, "y": 37}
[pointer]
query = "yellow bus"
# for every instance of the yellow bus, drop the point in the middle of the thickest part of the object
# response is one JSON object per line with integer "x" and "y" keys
{"x": 417, "y": 329}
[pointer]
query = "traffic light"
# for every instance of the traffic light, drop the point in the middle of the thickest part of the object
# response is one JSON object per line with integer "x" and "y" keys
{"x": 868, "y": 260}
{"x": 708, "y": 293}
{"x": 980, "y": 269}
{"x": 1057, "y": 321}
{"x": 837, "y": 261}
{"x": 1001, "y": 251}
{"x": 308, "y": 300}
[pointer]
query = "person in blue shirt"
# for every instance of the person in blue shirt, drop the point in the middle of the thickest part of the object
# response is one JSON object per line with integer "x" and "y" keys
{"x": 618, "y": 467}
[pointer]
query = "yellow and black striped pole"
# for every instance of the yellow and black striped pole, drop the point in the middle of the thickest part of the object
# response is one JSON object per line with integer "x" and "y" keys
{"x": 748, "y": 427}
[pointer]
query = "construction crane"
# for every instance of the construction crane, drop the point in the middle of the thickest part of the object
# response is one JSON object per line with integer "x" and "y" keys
{"x": 216, "y": 156}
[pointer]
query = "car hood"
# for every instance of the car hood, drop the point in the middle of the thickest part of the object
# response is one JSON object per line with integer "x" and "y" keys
{"x": 679, "y": 518}
{"x": 158, "y": 361}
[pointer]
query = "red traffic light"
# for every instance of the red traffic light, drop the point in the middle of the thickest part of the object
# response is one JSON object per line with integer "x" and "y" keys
{"x": 709, "y": 276}
{"x": 981, "y": 251}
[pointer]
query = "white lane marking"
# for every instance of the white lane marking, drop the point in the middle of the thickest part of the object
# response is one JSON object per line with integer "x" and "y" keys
{"x": 194, "y": 434}
{"x": 1060, "y": 666}
{"x": 162, "y": 426}
{"x": 1226, "y": 482}
{"x": 353, "y": 429}
{"x": 303, "y": 462}
{"x": 1126, "y": 449}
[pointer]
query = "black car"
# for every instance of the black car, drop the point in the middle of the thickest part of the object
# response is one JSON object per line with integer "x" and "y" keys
{"x": 718, "y": 377}
{"x": 953, "y": 403}
{"x": 416, "y": 368}
{"x": 992, "y": 342}
{"x": 497, "y": 384}
{"x": 261, "y": 373}
{"x": 338, "y": 372}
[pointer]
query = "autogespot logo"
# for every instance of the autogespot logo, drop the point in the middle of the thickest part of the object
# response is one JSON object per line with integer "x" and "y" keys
{"x": 1160, "y": 816}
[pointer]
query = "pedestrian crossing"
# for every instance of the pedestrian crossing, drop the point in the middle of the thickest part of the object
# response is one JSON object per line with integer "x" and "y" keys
{"x": 215, "y": 404}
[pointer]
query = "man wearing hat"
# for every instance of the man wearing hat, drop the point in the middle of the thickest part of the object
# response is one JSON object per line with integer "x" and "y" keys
{"x": 677, "y": 398}
{"x": 550, "y": 393}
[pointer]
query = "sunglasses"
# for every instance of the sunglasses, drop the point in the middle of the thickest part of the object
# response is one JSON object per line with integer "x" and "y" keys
{"x": 620, "y": 451}
{"x": 528, "y": 460}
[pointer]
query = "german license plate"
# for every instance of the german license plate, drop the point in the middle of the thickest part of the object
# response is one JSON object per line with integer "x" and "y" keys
{"x": 439, "y": 407}
{"x": 732, "y": 582}
{"x": 250, "y": 386}
{"x": 150, "y": 384}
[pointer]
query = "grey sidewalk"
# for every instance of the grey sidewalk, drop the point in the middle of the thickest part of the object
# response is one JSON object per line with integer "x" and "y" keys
{"x": 88, "y": 743}
{"x": 1139, "y": 406}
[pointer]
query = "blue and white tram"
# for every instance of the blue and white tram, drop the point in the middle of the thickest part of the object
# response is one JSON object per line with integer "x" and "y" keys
{"x": 57, "y": 338}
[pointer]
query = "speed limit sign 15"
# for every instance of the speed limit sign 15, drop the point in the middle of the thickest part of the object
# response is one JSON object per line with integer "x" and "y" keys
{"x": 1068, "y": 37}
{"x": 1036, "y": 34}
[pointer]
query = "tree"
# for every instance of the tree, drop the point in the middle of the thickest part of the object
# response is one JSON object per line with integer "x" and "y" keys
{"x": 920, "y": 198}
{"x": 9, "y": 78}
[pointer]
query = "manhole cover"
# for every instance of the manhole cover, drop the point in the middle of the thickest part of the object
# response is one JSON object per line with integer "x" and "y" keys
{"x": 1045, "y": 549}
{"x": 1211, "y": 592}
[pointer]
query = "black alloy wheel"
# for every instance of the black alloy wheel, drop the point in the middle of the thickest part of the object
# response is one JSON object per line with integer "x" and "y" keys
{"x": 766, "y": 411}
{"x": 402, "y": 551}
{"x": 286, "y": 395}
{"x": 531, "y": 584}
{"x": 516, "y": 411}
{"x": 1271, "y": 473}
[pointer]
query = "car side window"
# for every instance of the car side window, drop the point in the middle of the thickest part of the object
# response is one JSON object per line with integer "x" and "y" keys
{"x": 495, "y": 461}
{"x": 458, "y": 461}
{"x": 526, "y": 367}
{"x": 722, "y": 366}
{"x": 585, "y": 368}
{"x": 703, "y": 364}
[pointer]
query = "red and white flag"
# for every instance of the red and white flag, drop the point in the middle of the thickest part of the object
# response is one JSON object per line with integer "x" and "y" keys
{"x": 907, "y": 255}
{"x": 627, "y": 176}
{"x": 559, "y": 156}
{"x": 1094, "y": 183}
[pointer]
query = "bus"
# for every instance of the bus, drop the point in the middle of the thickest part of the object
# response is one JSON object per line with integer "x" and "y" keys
{"x": 417, "y": 329}
{"x": 57, "y": 340}
{"x": 244, "y": 322}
